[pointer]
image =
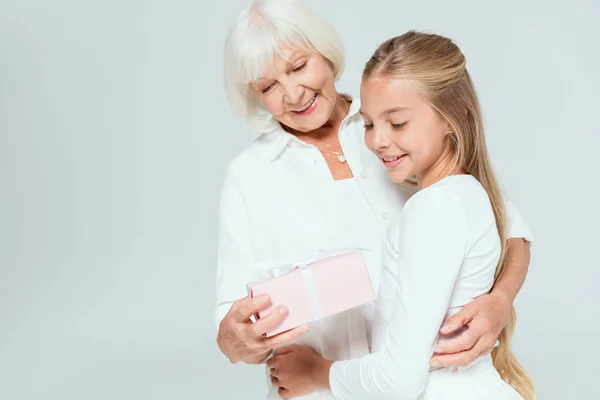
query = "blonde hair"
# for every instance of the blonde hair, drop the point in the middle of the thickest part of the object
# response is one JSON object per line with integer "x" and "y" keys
{"x": 438, "y": 66}
{"x": 259, "y": 33}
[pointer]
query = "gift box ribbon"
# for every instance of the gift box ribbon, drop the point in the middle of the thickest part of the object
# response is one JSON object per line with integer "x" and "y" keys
{"x": 305, "y": 270}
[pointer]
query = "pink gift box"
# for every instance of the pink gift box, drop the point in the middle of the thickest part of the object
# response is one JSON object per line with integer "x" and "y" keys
{"x": 316, "y": 288}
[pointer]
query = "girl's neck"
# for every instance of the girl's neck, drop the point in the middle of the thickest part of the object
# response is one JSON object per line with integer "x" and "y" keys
{"x": 445, "y": 165}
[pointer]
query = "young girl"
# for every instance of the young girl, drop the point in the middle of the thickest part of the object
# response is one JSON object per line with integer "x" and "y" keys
{"x": 422, "y": 118}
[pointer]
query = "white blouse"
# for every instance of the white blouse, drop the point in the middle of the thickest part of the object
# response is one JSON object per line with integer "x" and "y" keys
{"x": 440, "y": 255}
{"x": 279, "y": 203}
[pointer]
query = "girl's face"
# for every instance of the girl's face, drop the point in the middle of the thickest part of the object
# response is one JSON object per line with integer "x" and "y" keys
{"x": 403, "y": 130}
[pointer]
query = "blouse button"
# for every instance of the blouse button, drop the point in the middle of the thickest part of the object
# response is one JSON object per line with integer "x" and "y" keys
{"x": 384, "y": 215}
{"x": 363, "y": 175}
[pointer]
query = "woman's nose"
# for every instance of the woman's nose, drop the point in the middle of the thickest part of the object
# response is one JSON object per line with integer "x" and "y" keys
{"x": 293, "y": 93}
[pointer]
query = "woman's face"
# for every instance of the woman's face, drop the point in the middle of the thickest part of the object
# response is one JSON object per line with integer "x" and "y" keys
{"x": 402, "y": 129}
{"x": 298, "y": 89}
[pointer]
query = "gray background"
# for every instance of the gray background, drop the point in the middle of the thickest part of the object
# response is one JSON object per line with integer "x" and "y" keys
{"x": 114, "y": 138}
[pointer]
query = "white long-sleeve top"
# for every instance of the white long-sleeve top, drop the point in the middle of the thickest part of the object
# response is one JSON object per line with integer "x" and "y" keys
{"x": 279, "y": 203}
{"x": 440, "y": 254}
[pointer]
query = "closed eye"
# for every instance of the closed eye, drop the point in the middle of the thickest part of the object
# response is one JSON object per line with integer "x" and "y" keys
{"x": 300, "y": 68}
{"x": 398, "y": 126}
{"x": 368, "y": 126}
{"x": 267, "y": 89}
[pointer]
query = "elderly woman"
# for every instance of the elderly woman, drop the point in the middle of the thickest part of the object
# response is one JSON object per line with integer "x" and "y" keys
{"x": 308, "y": 184}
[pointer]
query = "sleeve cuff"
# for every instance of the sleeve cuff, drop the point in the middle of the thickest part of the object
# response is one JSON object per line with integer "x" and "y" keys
{"x": 516, "y": 226}
{"x": 335, "y": 381}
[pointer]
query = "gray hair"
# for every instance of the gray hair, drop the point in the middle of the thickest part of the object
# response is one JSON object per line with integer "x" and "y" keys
{"x": 258, "y": 34}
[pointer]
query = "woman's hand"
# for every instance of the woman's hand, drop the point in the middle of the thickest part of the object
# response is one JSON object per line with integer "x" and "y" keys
{"x": 242, "y": 340}
{"x": 480, "y": 322}
{"x": 477, "y": 327}
{"x": 299, "y": 370}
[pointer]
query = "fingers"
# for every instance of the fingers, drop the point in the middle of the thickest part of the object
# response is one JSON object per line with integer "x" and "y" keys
{"x": 457, "y": 321}
{"x": 233, "y": 338}
{"x": 277, "y": 366}
{"x": 274, "y": 381}
{"x": 284, "y": 393}
{"x": 244, "y": 308}
{"x": 452, "y": 360}
{"x": 463, "y": 358}
{"x": 287, "y": 337}
{"x": 238, "y": 339}
{"x": 257, "y": 357}
{"x": 478, "y": 328}
{"x": 278, "y": 359}
{"x": 463, "y": 342}
{"x": 268, "y": 323}
{"x": 485, "y": 345}
{"x": 272, "y": 362}
{"x": 287, "y": 349}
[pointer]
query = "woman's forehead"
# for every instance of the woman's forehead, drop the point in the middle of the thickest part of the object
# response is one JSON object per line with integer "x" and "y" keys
{"x": 282, "y": 60}
{"x": 263, "y": 64}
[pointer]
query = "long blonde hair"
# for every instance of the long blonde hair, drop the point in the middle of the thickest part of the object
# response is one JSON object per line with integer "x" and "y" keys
{"x": 438, "y": 66}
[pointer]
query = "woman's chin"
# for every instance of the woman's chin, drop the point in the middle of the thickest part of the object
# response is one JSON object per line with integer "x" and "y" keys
{"x": 306, "y": 124}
